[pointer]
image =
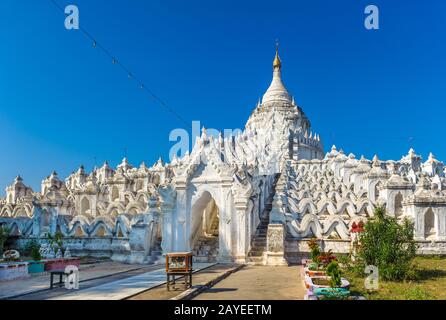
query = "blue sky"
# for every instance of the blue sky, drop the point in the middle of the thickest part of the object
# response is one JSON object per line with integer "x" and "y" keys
{"x": 63, "y": 103}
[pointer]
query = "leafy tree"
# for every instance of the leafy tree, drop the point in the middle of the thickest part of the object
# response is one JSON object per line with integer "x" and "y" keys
{"x": 389, "y": 245}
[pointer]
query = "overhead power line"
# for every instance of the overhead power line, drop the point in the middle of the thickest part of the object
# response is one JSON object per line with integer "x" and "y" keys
{"x": 130, "y": 75}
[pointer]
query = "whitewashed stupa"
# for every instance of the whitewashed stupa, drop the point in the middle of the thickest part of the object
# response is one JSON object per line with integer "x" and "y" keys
{"x": 256, "y": 197}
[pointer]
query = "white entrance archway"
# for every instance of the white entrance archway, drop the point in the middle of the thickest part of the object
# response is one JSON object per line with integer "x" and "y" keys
{"x": 205, "y": 227}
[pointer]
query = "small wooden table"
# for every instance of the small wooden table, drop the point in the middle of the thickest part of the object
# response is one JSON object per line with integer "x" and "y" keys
{"x": 179, "y": 264}
{"x": 60, "y": 273}
{"x": 187, "y": 279}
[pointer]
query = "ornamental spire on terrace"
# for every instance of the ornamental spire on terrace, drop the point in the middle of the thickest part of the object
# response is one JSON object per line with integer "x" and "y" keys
{"x": 276, "y": 91}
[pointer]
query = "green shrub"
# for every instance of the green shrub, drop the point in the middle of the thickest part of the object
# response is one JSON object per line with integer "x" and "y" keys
{"x": 344, "y": 260}
{"x": 389, "y": 245}
{"x": 4, "y": 235}
{"x": 32, "y": 249}
{"x": 56, "y": 241}
{"x": 315, "y": 250}
{"x": 313, "y": 266}
{"x": 325, "y": 258}
{"x": 26, "y": 249}
{"x": 35, "y": 255}
{"x": 334, "y": 272}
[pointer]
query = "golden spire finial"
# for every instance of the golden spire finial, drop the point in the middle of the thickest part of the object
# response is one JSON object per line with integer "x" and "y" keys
{"x": 277, "y": 63}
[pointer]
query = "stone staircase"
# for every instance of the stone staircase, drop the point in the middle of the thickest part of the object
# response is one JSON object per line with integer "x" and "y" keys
{"x": 258, "y": 241}
{"x": 156, "y": 253}
{"x": 206, "y": 249}
{"x": 214, "y": 227}
{"x": 206, "y": 246}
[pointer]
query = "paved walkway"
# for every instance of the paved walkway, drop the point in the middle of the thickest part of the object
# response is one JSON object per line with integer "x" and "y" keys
{"x": 199, "y": 280}
{"x": 37, "y": 283}
{"x": 115, "y": 281}
{"x": 121, "y": 289}
{"x": 259, "y": 283}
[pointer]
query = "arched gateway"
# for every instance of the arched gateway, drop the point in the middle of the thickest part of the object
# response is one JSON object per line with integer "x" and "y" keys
{"x": 205, "y": 225}
{"x": 210, "y": 209}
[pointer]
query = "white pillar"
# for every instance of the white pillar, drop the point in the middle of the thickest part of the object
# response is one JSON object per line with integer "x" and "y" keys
{"x": 224, "y": 229}
{"x": 180, "y": 235}
{"x": 241, "y": 235}
{"x": 440, "y": 224}
{"x": 167, "y": 236}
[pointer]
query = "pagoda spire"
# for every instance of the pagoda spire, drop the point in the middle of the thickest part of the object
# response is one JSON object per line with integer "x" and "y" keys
{"x": 277, "y": 64}
{"x": 276, "y": 92}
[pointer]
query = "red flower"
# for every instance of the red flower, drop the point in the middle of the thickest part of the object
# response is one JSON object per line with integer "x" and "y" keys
{"x": 357, "y": 227}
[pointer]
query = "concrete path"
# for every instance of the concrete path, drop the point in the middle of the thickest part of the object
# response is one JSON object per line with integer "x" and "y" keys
{"x": 59, "y": 291}
{"x": 199, "y": 280}
{"x": 259, "y": 283}
{"x": 124, "y": 288}
{"x": 38, "y": 283}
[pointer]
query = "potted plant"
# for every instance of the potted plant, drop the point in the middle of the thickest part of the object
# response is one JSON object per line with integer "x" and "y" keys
{"x": 315, "y": 250}
{"x": 314, "y": 269}
{"x": 319, "y": 260}
{"x": 334, "y": 272}
{"x": 36, "y": 265}
{"x": 325, "y": 274}
{"x": 332, "y": 286}
{"x": 336, "y": 289}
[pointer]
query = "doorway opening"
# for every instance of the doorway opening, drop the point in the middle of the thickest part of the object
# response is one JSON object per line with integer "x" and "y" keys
{"x": 204, "y": 227}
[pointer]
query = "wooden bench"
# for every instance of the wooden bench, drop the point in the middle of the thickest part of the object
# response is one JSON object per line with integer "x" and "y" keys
{"x": 60, "y": 273}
